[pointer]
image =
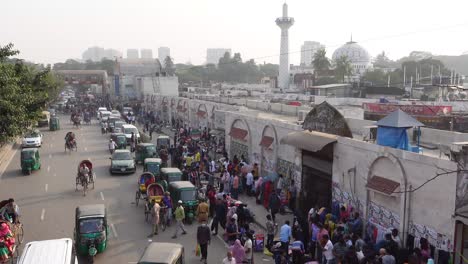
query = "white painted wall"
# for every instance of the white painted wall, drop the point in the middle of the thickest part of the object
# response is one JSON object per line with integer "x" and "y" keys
{"x": 432, "y": 206}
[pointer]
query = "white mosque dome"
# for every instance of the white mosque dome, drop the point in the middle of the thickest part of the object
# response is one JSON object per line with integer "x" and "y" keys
{"x": 354, "y": 52}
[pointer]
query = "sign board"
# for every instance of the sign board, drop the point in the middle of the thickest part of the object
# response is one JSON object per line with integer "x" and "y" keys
{"x": 424, "y": 110}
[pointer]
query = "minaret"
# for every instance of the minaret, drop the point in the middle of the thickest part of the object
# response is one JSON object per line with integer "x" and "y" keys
{"x": 284, "y": 23}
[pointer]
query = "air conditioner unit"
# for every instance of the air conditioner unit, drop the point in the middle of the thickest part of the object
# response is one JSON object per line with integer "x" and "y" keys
{"x": 301, "y": 115}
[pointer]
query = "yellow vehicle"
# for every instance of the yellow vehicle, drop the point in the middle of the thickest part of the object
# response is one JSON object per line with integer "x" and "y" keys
{"x": 45, "y": 119}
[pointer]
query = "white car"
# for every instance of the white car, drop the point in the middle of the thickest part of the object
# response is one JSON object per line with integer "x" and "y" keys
{"x": 32, "y": 139}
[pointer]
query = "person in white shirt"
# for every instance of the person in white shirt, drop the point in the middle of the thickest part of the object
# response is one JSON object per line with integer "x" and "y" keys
{"x": 212, "y": 166}
{"x": 248, "y": 247}
{"x": 229, "y": 259}
{"x": 250, "y": 182}
{"x": 112, "y": 146}
{"x": 327, "y": 250}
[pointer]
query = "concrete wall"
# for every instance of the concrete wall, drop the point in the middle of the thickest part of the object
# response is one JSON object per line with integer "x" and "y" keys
{"x": 431, "y": 206}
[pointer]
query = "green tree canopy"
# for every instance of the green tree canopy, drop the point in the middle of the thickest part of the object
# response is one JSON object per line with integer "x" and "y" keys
{"x": 24, "y": 94}
{"x": 320, "y": 61}
{"x": 343, "y": 68}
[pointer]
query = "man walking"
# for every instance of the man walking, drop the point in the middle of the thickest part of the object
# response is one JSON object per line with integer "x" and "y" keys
{"x": 156, "y": 209}
{"x": 249, "y": 182}
{"x": 203, "y": 239}
{"x": 179, "y": 216}
{"x": 220, "y": 216}
{"x": 274, "y": 204}
{"x": 285, "y": 235}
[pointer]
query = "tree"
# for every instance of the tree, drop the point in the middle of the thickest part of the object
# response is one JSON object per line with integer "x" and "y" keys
{"x": 377, "y": 77}
{"x": 24, "y": 94}
{"x": 169, "y": 66}
{"x": 320, "y": 61}
{"x": 343, "y": 68}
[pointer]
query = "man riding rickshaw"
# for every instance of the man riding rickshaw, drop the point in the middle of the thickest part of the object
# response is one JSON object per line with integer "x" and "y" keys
{"x": 85, "y": 175}
{"x": 146, "y": 179}
{"x": 70, "y": 141}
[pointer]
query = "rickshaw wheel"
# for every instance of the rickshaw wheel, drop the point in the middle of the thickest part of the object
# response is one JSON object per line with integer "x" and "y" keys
{"x": 91, "y": 259}
{"x": 137, "y": 198}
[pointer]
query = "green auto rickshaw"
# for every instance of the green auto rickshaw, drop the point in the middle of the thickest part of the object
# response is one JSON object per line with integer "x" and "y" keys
{"x": 30, "y": 160}
{"x": 152, "y": 165}
{"x": 144, "y": 151}
{"x": 171, "y": 174}
{"x": 186, "y": 192}
{"x": 163, "y": 253}
{"x": 163, "y": 141}
{"x": 120, "y": 140}
{"x": 91, "y": 230}
{"x": 54, "y": 123}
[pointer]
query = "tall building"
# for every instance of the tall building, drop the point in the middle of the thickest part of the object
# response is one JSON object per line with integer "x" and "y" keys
{"x": 132, "y": 54}
{"x": 213, "y": 55}
{"x": 308, "y": 50}
{"x": 146, "y": 53}
{"x": 98, "y": 53}
{"x": 163, "y": 53}
{"x": 284, "y": 23}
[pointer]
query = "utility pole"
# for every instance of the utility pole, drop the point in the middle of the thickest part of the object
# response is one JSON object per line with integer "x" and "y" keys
{"x": 411, "y": 87}
{"x": 404, "y": 77}
{"x": 440, "y": 76}
{"x": 432, "y": 71}
{"x": 388, "y": 81}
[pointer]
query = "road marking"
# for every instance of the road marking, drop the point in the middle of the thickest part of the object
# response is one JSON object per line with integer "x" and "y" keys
{"x": 50, "y": 156}
{"x": 114, "y": 231}
{"x": 51, "y": 145}
{"x": 85, "y": 149}
{"x": 46, "y": 187}
{"x": 48, "y": 168}
{"x": 55, "y": 174}
{"x": 102, "y": 196}
{"x": 42, "y": 214}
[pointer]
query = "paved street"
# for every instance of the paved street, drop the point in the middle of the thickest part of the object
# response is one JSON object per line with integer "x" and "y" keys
{"x": 47, "y": 198}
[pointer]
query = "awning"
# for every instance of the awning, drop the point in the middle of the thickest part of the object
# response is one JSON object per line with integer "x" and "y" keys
{"x": 238, "y": 133}
{"x": 382, "y": 185}
{"x": 308, "y": 140}
{"x": 216, "y": 132}
{"x": 266, "y": 141}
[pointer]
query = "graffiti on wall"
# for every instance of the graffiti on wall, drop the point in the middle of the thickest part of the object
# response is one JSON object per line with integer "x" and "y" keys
{"x": 440, "y": 241}
{"x": 268, "y": 160}
{"x": 284, "y": 167}
{"x": 380, "y": 215}
{"x": 239, "y": 150}
{"x": 344, "y": 198}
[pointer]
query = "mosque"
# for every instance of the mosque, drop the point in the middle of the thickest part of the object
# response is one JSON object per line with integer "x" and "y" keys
{"x": 358, "y": 56}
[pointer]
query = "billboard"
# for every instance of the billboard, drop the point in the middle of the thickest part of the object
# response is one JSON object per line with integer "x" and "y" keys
{"x": 419, "y": 109}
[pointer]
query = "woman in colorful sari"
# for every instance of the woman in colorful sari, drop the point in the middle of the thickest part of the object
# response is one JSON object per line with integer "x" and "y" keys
{"x": 6, "y": 242}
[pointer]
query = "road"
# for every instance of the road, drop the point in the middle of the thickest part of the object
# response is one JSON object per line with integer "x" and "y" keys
{"x": 47, "y": 198}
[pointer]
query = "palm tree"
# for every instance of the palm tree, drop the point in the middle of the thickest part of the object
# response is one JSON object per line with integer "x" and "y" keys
{"x": 320, "y": 61}
{"x": 343, "y": 68}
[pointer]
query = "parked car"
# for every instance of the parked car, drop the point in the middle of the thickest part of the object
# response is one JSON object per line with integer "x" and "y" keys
{"x": 32, "y": 139}
{"x": 122, "y": 161}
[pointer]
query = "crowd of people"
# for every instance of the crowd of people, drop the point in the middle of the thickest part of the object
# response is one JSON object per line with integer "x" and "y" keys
{"x": 326, "y": 235}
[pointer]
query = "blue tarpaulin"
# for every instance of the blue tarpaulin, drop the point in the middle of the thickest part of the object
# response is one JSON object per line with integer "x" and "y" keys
{"x": 395, "y": 137}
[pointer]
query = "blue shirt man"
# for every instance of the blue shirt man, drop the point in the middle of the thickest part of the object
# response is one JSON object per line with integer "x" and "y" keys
{"x": 285, "y": 232}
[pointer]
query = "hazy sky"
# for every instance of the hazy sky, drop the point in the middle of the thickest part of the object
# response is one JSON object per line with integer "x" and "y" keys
{"x": 54, "y": 30}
